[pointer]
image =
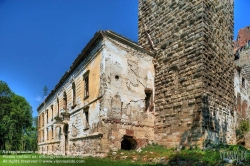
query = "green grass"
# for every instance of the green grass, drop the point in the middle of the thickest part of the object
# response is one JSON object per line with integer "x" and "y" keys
{"x": 149, "y": 156}
{"x": 52, "y": 161}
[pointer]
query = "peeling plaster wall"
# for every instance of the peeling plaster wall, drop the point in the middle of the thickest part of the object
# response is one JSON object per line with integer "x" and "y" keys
{"x": 244, "y": 63}
{"x": 126, "y": 74}
{"x": 82, "y": 137}
{"x": 120, "y": 76}
{"x": 242, "y": 97}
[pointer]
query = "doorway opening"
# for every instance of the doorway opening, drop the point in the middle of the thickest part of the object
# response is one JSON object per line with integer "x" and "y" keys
{"x": 128, "y": 143}
{"x": 66, "y": 130}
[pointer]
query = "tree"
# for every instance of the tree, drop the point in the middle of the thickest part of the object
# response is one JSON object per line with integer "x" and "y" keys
{"x": 21, "y": 119}
{"x": 15, "y": 118}
{"x": 5, "y": 109}
{"x": 45, "y": 91}
{"x": 241, "y": 131}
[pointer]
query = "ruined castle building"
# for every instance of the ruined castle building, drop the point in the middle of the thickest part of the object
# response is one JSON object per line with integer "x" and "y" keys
{"x": 103, "y": 102}
{"x": 194, "y": 89}
{"x": 241, "y": 90}
{"x": 242, "y": 78}
{"x": 243, "y": 38}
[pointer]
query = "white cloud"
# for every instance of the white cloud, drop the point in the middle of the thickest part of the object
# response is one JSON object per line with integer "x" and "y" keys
{"x": 39, "y": 98}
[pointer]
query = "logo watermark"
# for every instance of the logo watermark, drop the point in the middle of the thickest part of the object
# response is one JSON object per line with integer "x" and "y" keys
{"x": 236, "y": 156}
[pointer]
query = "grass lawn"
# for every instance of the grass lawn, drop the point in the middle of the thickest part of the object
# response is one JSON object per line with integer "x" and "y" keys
{"x": 41, "y": 160}
{"x": 149, "y": 156}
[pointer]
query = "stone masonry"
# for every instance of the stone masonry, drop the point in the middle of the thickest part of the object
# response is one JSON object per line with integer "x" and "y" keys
{"x": 194, "y": 93}
{"x": 242, "y": 38}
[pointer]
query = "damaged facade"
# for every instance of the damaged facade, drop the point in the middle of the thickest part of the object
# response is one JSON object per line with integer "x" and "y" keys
{"x": 242, "y": 79}
{"x": 104, "y": 102}
{"x": 178, "y": 87}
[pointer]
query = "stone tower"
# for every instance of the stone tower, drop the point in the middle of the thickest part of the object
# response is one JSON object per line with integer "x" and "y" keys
{"x": 192, "y": 41}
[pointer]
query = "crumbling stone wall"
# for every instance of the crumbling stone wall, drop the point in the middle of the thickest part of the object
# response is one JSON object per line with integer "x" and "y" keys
{"x": 194, "y": 97}
{"x": 241, "y": 90}
{"x": 243, "y": 37}
{"x": 243, "y": 61}
{"x": 127, "y": 75}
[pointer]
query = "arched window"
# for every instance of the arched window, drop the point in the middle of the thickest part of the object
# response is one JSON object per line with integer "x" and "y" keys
{"x": 74, "y": 94}
{"x": 64, "y": 100}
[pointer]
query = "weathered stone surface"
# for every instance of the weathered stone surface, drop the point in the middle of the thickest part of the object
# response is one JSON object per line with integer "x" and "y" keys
{"x": 192, "y": 43}
{"x": 118, "y": 104}
{"x": 243, "y": 38}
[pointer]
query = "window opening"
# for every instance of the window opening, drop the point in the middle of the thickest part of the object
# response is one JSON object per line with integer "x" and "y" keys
{"x": 57, "y": 106}
{"x": 243, "y": 82}
{"x": 74, "y": 94}
{"x": 148, "y": 99}
{"x": 86, "y": 86}
{"x": 64, "y": 100}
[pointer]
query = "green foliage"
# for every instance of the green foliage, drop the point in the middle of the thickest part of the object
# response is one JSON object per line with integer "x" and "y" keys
{"x": 45, "y": 91}
{"x": 242, "y": 129}
{"x": 15, "y": 118}
{"x": 193, "y": 157}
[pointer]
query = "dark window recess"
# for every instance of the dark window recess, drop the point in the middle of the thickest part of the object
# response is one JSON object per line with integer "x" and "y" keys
{"x": 148, "y": 99}
{"x": 51, "y": 112}
{"x": 86, "y": 86}
{"x": 74, "y": 95}
{"x": 86, "y": 122}
{"x": 47, "y": 133}
{"x": 237, "y": 56}
{"x": 238, "y": 72}
{"x": 57, "y": 100}
{"x": 87, "y": 117}
{"x": 52, "y": 130}
{"x": 66, "y": 129}
{"x": 47, "y": 113}
{"x": 243, "y": 82}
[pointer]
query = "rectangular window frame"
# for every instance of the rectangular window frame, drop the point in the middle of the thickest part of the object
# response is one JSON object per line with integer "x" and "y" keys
{"x": 86, "y": 115}
{"x": 86, "y": 85}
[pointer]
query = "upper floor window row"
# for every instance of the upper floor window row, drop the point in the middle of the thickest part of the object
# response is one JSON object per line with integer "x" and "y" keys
{"x": 65, "y": 96}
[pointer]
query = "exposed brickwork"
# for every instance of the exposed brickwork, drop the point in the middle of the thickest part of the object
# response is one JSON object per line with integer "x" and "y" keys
{"x": 243, "y": 37}
{"x": 194, "y": 74}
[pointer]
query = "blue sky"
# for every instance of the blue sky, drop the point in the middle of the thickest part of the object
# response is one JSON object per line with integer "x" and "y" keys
{"x": 39, "y": 39}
